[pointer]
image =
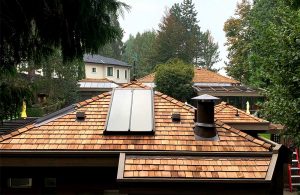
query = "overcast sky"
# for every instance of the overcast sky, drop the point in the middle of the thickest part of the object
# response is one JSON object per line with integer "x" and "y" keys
{"x": 147, "y": 14}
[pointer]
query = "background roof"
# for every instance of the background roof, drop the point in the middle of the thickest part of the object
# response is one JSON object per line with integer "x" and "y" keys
{"x": 201, "y": 75}
{"x": 98, "y": 59}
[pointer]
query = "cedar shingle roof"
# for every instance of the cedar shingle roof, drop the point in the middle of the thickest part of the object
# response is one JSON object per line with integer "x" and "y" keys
{"x": 180, "y": 167}
{"x": 201, "y": 75}
{"x": 147, "y": 79}
{"x": 65, "y": 133}
{"x": 227, "y": 114}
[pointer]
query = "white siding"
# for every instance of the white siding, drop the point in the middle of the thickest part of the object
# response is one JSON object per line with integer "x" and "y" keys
{"x": 101, "y": 72}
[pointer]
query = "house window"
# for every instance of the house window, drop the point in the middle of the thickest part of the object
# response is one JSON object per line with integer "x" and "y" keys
{"x": 113, "y": 192}
{"x": 50, "y": 182}
{"x": 110, "y": 71}
{"x": 125, "y": 74}
{"x": 118, "y": 74}
{"x": 20, "y": 182}
{"x": 93, "y": 70}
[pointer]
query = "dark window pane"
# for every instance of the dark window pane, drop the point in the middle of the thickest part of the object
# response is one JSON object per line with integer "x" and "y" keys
{"x": 110, "y": 71}
{"x": 50, "y": 182}
{"x": 20, "y": 182}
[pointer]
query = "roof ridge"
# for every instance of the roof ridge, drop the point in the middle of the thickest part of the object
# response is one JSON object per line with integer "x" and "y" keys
{"x": 17, "y": 131}
{"x": 30, "y": 126}
{"x": 199, "y": 71}
{"x": 244, "y": 135}
{"x": 174, "y": 101}
{"x": 250, "y": 115}
{"x": 220, "y": 106}
{"x": 153, "y": 73}
{"x": 135, "y": 83}
{"x": 223, "y": 76}
{"x": 223, "y": 105}
{"x": 95, "y": 98}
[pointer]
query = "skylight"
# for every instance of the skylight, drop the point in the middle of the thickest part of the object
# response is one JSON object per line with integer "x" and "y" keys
{"x": 131, "y": 111}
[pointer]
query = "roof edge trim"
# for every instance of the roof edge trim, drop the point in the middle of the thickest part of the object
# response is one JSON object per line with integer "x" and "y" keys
{"x": 54, "y": 115}
{"x": 193, "y": 180}
{"x": 128, "y": 152}
{"x": 271, "y": 168}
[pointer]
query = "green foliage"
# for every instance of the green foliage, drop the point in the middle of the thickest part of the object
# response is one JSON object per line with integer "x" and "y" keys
{"x": 275, "y": 61}
{"x": 174, "y": 78}
{"x": 209, "y": 54}
{"x": 269, "y": 44}
{"x": 141, "y": 50}
{"x": 13, "y": 90}
{"x": 170, "y": 40}
{"x": 180, "y": 37}
{"x": 114, "y": 48}
{"x": 32, "y": 30}
{"x": 35, "y": 112}
{"x": 237, "y": 33}
{"x": 59, "y": 82}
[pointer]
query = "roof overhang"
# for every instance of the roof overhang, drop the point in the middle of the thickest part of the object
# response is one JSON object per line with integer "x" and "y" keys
{"x": 109, "y": 64}
{"x": 227, "y": 91}
{"x": 259, "y": 126}
{"x": 90, "y": 158}
{"x": 231, "y": 94}
{"x": 95, "y": 89}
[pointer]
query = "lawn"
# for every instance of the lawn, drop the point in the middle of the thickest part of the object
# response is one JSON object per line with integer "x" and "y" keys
{"x": 265, "y": 135}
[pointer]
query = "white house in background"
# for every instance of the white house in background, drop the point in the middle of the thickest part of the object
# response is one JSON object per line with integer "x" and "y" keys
{"x": 102, "y": 74}
{"x": 100, "y": 67}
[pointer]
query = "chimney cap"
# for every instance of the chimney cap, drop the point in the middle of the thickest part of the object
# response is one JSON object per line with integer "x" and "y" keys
{"x": 205, "y": 97}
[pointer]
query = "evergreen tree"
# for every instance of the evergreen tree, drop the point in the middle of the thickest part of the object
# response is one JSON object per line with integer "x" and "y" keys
{"x": 208, "y": 52}
{"x": 180, "y": 37}
{"x": 140, "y": 50}
{"x": 170, "y": 41}
{"x": 237, "y": 33}
{"x": 31, "y": 30}
{"x": 114, "y": 48}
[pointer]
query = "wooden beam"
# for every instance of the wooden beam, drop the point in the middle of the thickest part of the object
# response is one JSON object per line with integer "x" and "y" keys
{"x": 268, "y": 141}
{"x": 271, "y": 167}
{"x": 121, "y": 166}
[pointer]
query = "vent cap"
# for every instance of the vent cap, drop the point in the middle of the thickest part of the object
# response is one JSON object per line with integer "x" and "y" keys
{"x": 176, "y": 117}
{"x": 205, "y": 98}
{"x": 80, "y": 115}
